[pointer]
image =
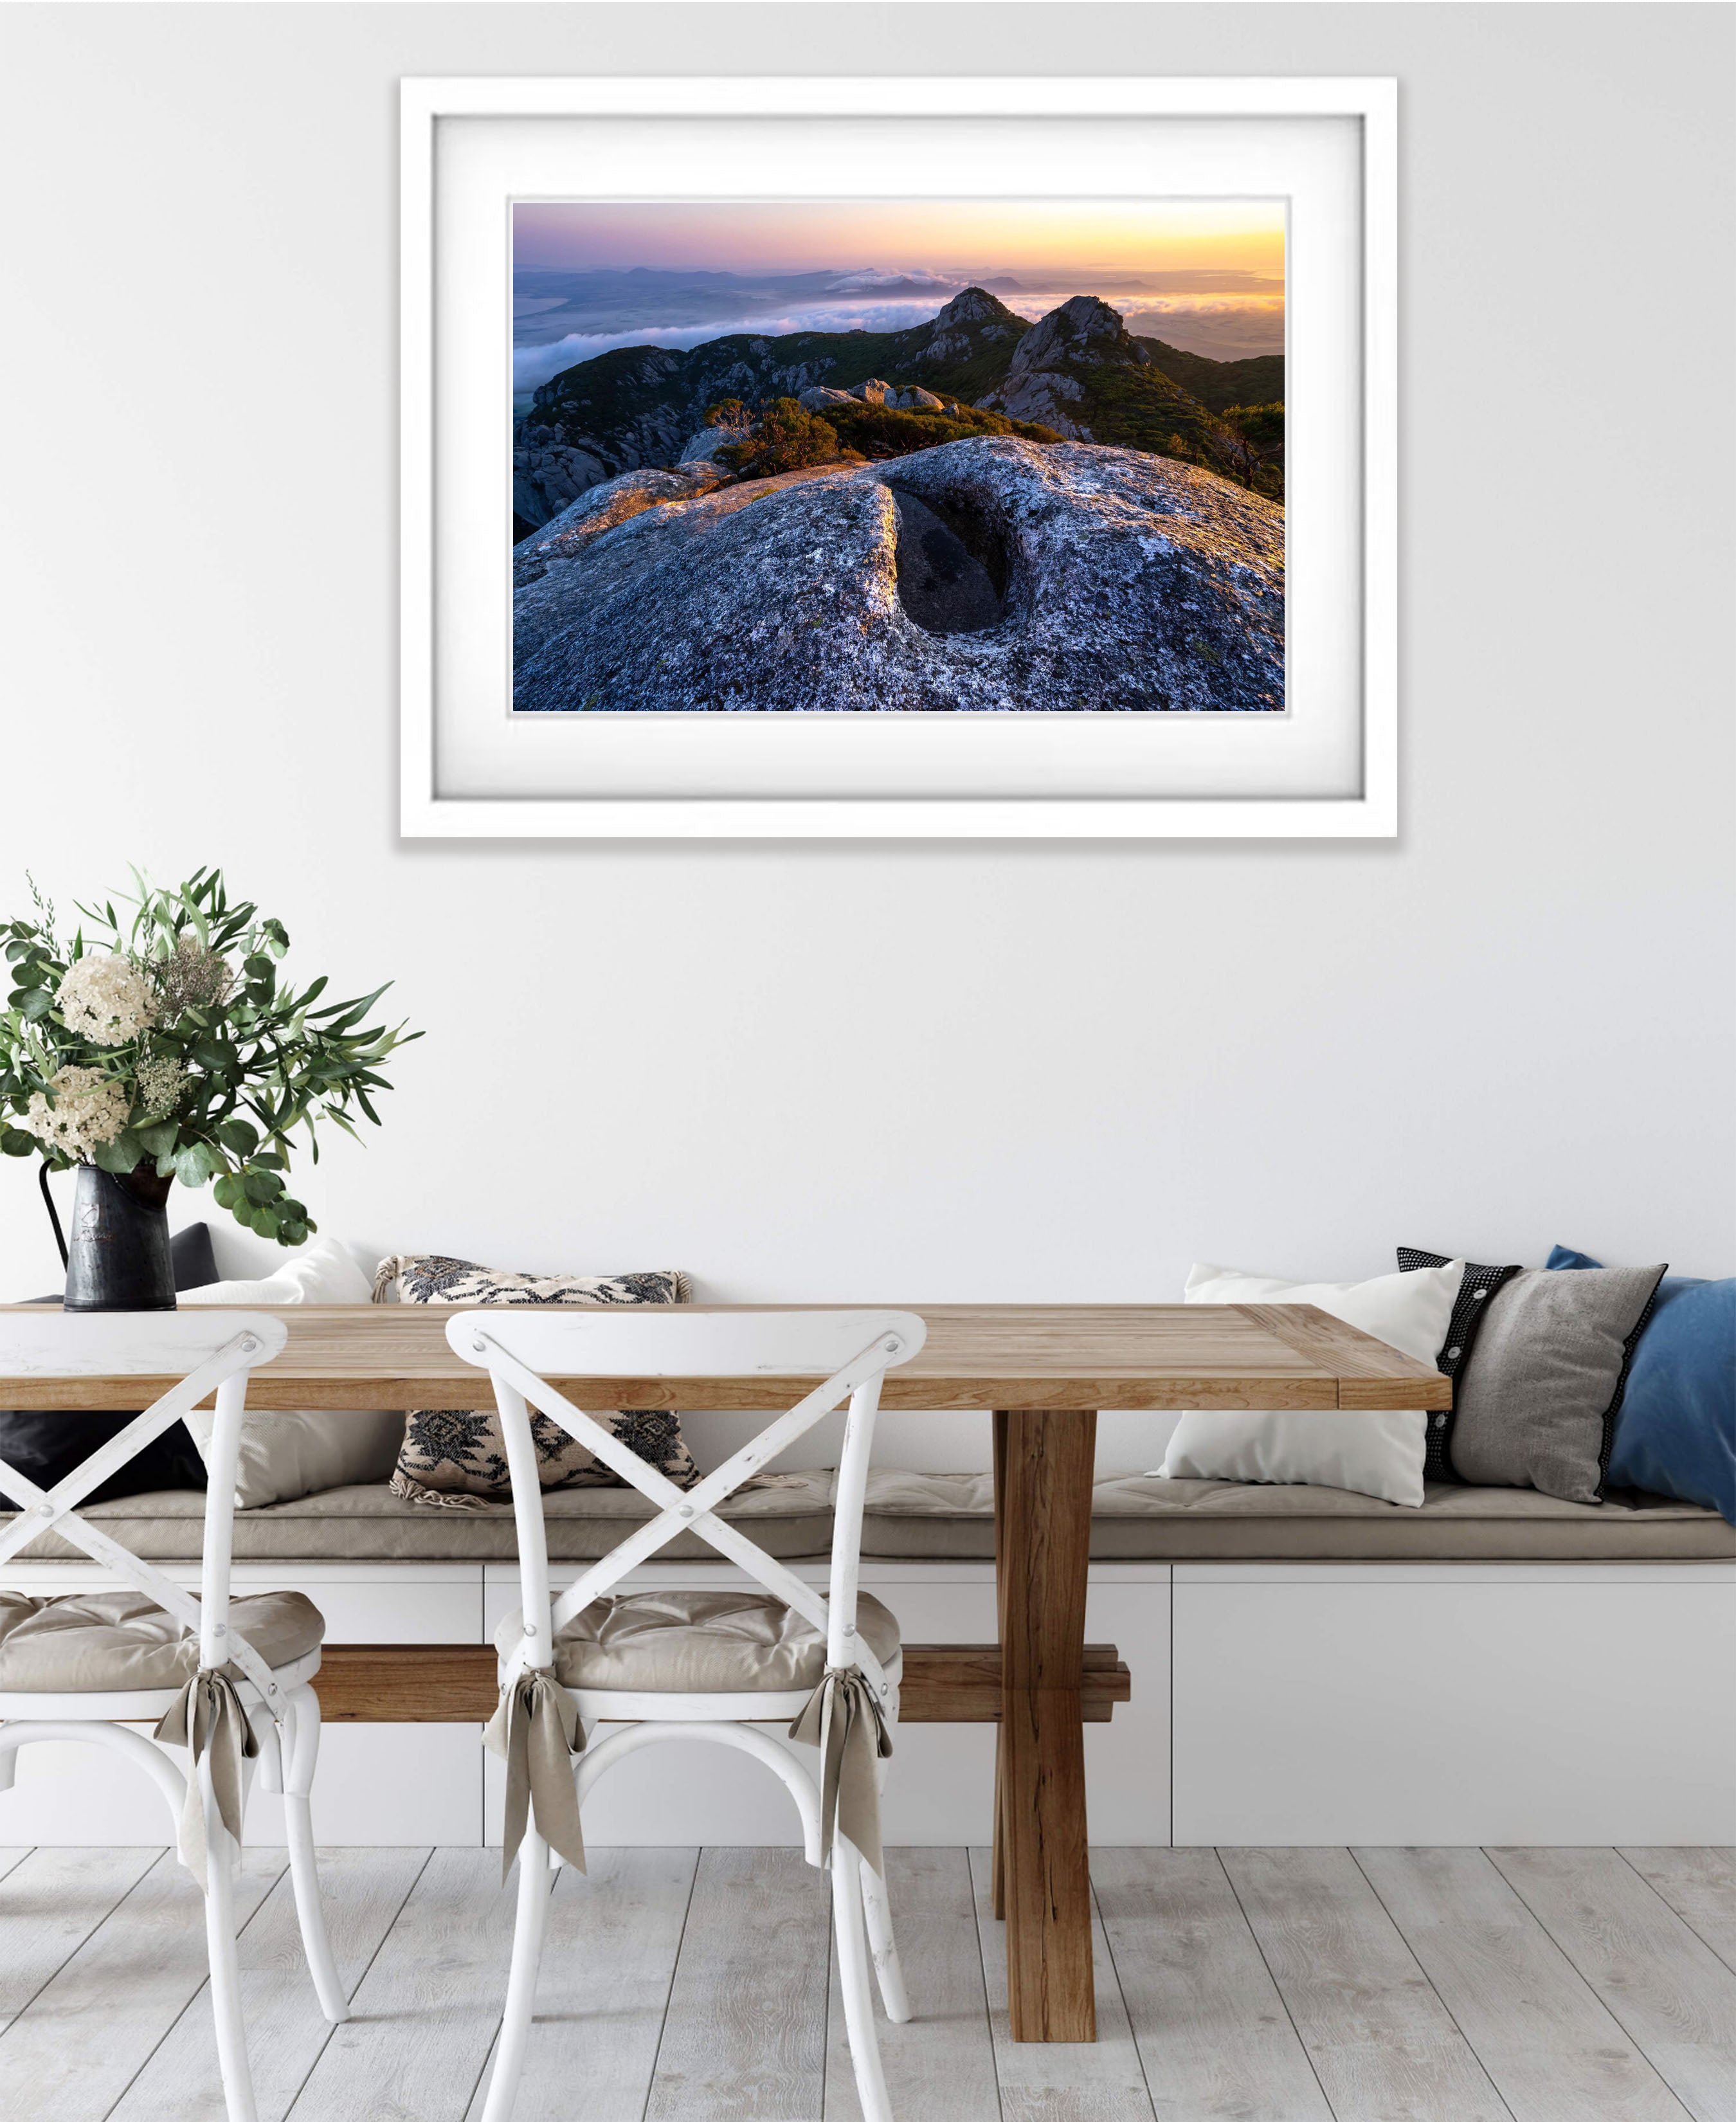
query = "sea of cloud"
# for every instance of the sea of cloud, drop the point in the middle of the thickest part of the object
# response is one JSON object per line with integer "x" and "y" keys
{"x": 1223, "y": 328}
{"x": 532, "y": 365}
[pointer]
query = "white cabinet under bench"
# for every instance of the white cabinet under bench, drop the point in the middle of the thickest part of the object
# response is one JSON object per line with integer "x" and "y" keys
{"x": 1297, "y": 1677}
{"x": 1567, "y": 1703}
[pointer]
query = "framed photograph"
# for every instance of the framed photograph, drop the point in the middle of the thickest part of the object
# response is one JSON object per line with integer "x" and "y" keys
{"x": 895, "y": 459}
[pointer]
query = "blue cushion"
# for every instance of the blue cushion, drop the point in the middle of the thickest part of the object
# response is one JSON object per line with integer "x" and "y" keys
{"x": 1676, "y": 1434}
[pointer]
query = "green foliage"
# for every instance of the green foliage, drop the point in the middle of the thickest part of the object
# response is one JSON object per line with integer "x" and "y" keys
{"x": 1219, "y": 385}
{"x": 233, "y": 1059}
{"x": 788, "y": 438}
{"x": 1137, "y": 407}
{"x": 1262, "y": 425}
{"x": 727, "y": 413}
{"x": 876, "y": 431}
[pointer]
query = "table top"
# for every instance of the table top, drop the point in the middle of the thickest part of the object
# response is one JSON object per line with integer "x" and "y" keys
{"x": 985, "y": 1356}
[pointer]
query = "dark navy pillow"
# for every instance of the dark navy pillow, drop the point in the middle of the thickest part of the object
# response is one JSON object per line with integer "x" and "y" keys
{"x": 45, "y": 1444}
{"x": 1676, "y": 1434}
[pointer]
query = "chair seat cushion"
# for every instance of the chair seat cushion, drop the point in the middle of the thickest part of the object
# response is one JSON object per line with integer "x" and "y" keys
{"x": 699, "y": 1643}
{"x": 123, "y": 1643}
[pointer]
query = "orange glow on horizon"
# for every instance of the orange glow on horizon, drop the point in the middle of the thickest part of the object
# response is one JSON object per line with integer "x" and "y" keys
{"x": 1037, "y": 237}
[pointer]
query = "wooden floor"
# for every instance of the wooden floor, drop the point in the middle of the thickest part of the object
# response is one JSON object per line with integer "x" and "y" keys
{"x": 683, "y": 1985}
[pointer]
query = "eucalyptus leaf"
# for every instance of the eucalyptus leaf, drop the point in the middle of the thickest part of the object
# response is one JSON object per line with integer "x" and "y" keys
{"x": 195, "y": 1164}
{"x": 14, "y": 1142}
{"x": 120, "y": 1155}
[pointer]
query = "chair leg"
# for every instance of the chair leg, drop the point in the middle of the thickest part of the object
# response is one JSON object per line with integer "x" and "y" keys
{"x": 882, "y": 1946}
{"x": 226, "y": 1972}
{"x": 534, "y": 1882}
{"x": 304, "y": 1872}
{"x": 852, "y": 1969}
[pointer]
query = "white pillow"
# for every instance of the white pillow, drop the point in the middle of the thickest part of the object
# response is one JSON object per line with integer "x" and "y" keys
{"x": 1373, "y": 1453}
{"x": 285, "y": 1455}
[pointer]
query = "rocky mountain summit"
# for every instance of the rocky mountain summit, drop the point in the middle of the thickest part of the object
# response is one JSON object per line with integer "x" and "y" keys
{"x": 638, "y": 404}
{"x": 641, "y": 406}
{"x": 1082, "y": 372}
{"x": 988, "y": 575}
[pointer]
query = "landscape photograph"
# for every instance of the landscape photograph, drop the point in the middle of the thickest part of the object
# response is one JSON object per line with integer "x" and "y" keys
{"x": 907, "y": 457}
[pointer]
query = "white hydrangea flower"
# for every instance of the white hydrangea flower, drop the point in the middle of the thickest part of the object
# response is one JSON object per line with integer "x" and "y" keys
{"x": 88, "y": 1109}
{"x": 106, "y": 999}
{"x": 161, "y": 1079}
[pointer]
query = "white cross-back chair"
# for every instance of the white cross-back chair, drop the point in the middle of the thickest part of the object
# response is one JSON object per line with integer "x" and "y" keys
{"x": 830, "y": 1663}
{"x": 85, "y": 1666}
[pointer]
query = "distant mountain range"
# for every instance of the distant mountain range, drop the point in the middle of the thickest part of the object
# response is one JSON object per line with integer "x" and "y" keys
{"x": 1078, "y": 371}
{"x": 550, "y": 304}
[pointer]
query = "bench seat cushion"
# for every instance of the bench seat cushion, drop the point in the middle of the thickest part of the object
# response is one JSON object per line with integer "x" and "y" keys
{"x": 934, "y": 1517}
{"x": 121, "y": 1642}
{"x": 699, "y": 1643}
{"x": 1143, "y": 1518}
{"x": 370, "y": 1524}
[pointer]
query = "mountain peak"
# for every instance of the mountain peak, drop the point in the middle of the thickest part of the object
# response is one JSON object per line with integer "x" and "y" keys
{"x": 1090, "y": 313}
{"x": 975, "y": 306}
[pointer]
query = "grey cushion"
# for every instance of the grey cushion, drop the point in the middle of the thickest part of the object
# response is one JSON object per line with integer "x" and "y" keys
{"x": 1537, "y": 1405}
{"x": 699, "y": 1643}
{"x": 934, "y": 1517}
{"x": 370, "y": 1524}
{"x": 119, "y": 1642}
{"x": 1144, "y": 1518}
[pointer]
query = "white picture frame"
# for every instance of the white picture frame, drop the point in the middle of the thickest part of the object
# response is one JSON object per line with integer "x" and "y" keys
{"x": 465, "y": 773}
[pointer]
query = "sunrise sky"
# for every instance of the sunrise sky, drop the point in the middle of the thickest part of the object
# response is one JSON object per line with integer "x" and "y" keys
{"x": 941, "y": 235}
{"x": 1205, "y": 274}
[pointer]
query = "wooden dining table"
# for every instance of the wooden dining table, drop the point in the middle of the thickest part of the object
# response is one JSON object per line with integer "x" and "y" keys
{"x": 1042, "y": 1372}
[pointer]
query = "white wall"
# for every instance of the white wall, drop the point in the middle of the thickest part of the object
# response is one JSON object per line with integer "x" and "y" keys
{"x": 886, "y": 1073}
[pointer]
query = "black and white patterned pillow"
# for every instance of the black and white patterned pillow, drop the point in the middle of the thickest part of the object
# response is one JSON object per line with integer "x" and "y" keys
{"x": 435, "y": 1279}
{"x": 456, "y": 1457}
{"x": 1479, "y": 1285}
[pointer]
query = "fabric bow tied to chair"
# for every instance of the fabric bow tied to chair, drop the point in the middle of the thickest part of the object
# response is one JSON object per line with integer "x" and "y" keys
{"x": 844, "y": 1719}
{"x": 207, "y": 1718}
{"x": 536, "y": 1731}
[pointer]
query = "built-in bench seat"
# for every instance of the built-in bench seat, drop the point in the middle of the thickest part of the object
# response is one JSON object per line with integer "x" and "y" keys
{"x": 1304, "y": 1664}
{"x": 949, "y": 1517}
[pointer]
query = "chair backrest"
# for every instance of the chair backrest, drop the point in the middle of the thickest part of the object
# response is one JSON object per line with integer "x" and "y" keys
{"x": 204, "y": 1354}
{"x": 849, "y": 1351}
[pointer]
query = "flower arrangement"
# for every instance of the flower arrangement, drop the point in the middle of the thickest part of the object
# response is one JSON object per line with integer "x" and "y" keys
{"x": 165, "y": 1045}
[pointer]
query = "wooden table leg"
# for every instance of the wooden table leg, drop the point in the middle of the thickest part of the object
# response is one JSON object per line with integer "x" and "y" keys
{"x": 1043, "y": 1462}
{"x": 997, "y": 1856}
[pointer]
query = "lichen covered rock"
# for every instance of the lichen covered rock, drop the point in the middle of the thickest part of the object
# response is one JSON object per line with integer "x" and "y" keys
{"x": 1121, "y": 582}
{"x": 601, "y": 507}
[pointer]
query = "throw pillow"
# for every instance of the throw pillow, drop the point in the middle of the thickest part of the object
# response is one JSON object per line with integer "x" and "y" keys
{"x": 45, "y": 1444}
{"x": 1478, "y": 1285}
{"x": 1373, "y": 1452}
{"x": 1536, "y": 1404}
{"x": 285, "y": 1455}
{"x": 1675, "y": 1430}
{"x": 455, "y": 1458}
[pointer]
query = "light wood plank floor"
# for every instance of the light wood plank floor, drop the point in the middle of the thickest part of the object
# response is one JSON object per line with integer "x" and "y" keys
{"x": 691, "y": 1985}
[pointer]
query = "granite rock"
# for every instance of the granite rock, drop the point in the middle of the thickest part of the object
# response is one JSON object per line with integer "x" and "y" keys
{"x": 601, "y": 507}
{"x": 1120, "y": 580}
